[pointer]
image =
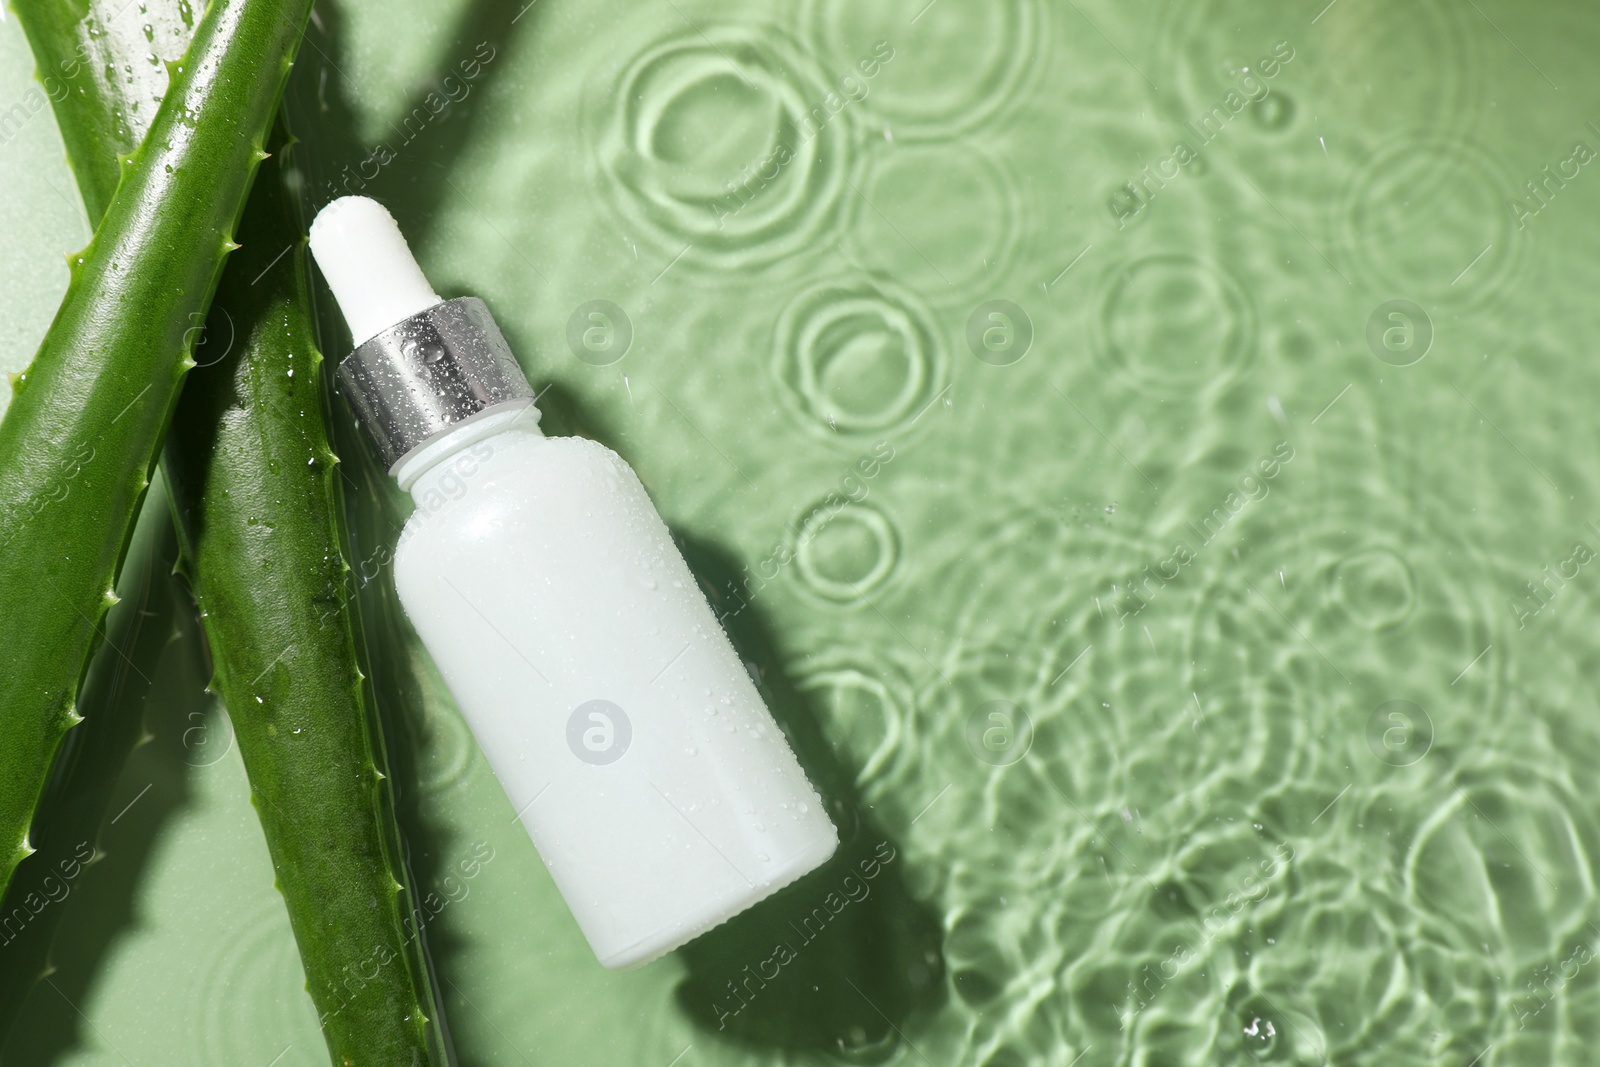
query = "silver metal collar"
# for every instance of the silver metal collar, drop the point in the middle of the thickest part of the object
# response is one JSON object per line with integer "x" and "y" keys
{"x": 422, "y": 376}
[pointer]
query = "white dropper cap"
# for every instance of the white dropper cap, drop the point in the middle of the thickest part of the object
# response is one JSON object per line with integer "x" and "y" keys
{"x": 421, "y": 364}
{"x": 369, "y": 266}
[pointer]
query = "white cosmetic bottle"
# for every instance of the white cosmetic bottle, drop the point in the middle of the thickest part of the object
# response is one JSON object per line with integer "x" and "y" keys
{"x": 625, "y": 730}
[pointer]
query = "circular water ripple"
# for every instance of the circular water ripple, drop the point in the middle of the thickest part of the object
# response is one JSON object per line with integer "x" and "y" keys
{"x": 1200, "y": 780}
{"x": 947, "y": 224}
{"x": 1160, "y": 723}
{"x": 440, "y": 737}
{"x": 1331, "y": 62}
{"x": 1375, "y": 587}
{"x": 1367, "y": 984}
{"x": 1175, "y": 325}
{"x": 1314, "y": 959}
{"x": 1163, "y": 976}
{"x": 859, "y": 357}
{"x": 1426, "y": 218}
{"x": 1127, "y": 736}
{"x": 981, "y": 961}
{"x": 1367, "y": 35}
{"x": 844, "y": 555}
{"x": 1193, "y": 820}
{"x": 1324, "y": 582}
{"x": 248, "y": 985}
{"x": 1199, "y": 820}
{"x": 953, "y": 67}
{"x": 726, "y": 145}
{"x": 865, "y": 711}
{"x": 1509, "y": 860}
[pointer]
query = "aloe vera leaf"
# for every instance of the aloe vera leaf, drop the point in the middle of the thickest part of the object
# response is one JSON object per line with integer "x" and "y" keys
{"x": 254, "y": 490}
{"x": 252, "y": 481}
{"x": 78, "y": 442}
{"x": 104, "y": 93}
{"x": 94, "y": 62}
{"x": 247, "y": 439}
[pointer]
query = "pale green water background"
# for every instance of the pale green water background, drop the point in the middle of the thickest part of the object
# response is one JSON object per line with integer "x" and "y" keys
{"x": 1200, "y": 831}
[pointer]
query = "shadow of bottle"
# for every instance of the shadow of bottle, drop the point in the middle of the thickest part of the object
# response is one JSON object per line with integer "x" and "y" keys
{"x": 840, "y": 960}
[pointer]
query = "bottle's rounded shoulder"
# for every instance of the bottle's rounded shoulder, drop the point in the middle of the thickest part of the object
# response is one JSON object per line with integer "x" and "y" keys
{"x": 468, "y": 501}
